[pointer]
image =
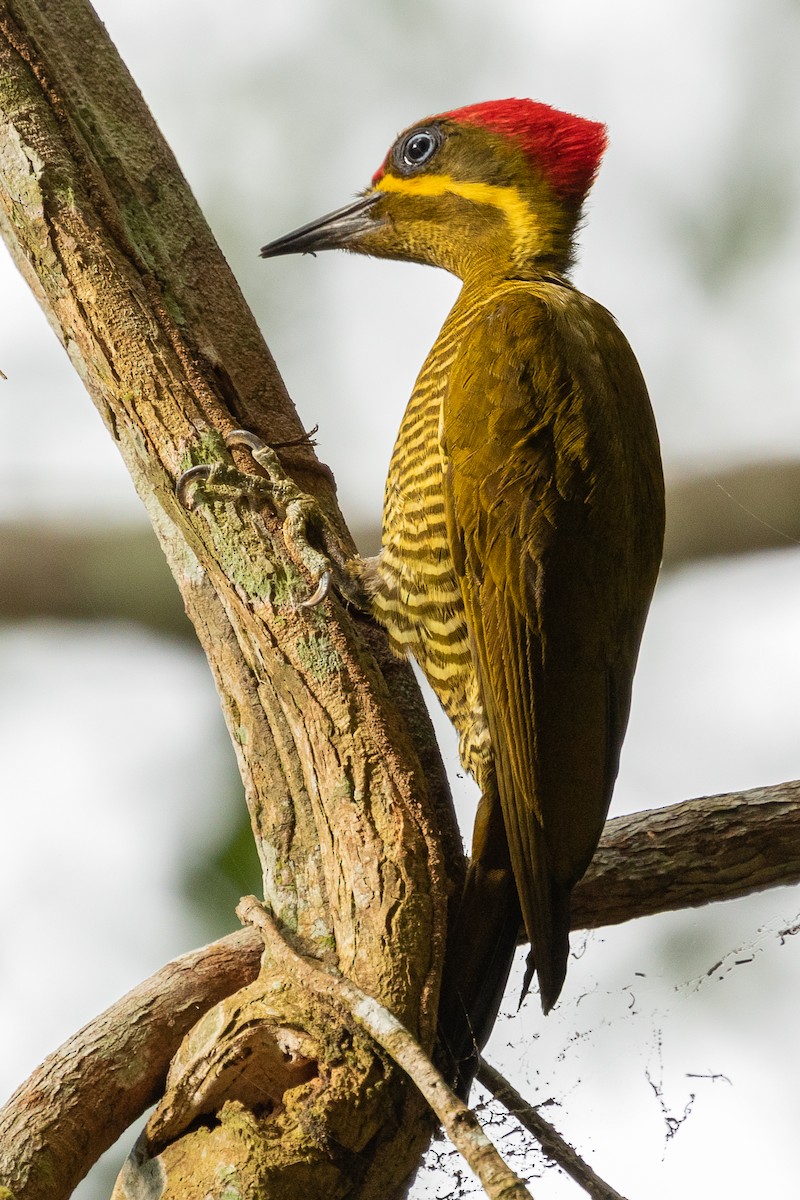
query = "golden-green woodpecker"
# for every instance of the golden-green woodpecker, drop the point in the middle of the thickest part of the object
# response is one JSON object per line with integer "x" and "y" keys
{"x": 524, "y": 510}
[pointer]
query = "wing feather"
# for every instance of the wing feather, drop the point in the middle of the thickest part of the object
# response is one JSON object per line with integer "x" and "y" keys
{"x": 555, "y": 516}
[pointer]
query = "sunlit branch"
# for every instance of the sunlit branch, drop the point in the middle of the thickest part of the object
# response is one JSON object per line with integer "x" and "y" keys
{"x": 458, "y": 1121}
{"x": 669, "y": 858}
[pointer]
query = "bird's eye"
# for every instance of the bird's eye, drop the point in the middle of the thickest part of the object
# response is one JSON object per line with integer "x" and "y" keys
{"x": 418, "y": 148}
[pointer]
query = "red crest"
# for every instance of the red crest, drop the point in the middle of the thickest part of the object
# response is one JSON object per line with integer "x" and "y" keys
{"x": 566, "y": 148}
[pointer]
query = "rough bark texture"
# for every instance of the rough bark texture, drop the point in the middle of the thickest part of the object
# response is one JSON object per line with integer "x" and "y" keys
{"x": 275, "y": 1090}
{"x": 685, "y": 855}
{"x": 90, "y": 1090}
{"x": 119, "y": 571}
{"x": 83, "y": 1097}
{"x": 348, "y": 801}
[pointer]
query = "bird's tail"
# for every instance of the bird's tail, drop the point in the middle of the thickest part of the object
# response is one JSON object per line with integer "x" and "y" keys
{"x": 549, "y": 936}
{"x": 480, "y": 953}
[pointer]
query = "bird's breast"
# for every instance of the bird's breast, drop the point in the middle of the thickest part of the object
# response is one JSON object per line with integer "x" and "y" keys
{"x": 418, "y": 598}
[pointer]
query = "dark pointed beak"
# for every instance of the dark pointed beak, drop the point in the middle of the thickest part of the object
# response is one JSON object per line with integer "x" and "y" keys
{"x": 339, "y": 230}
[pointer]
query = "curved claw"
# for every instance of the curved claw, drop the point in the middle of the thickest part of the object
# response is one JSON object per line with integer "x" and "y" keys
{"x": 201, "y": 471}
{"x": 243, "y": 437}
{"x": 322, "y": 592}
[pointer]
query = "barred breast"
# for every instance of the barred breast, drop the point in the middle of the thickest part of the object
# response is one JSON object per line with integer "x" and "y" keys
{"x": 416, "y": 594}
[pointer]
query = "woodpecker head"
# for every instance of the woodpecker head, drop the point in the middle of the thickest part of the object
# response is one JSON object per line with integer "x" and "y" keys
{"x": 494, "y": 188}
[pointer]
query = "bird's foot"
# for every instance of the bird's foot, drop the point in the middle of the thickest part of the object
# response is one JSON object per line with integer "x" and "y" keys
{"x": 223, "y": 482}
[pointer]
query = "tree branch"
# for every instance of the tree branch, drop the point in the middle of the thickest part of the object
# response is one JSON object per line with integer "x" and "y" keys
{"x": 736, "y": 510}
{"x": 119, "y": 570}
{"x": 687, "y": 854}
{"x": 348, "y": 800}
{"x": 459, "y": 1122}
{"x": 553, "y": 1144}
{"x": 85, "y": 1095}
{"x": 115, "y": 571}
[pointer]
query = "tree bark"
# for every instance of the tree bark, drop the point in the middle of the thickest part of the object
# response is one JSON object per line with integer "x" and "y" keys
{"x": 348, "y": 801}
{"x": 274, "y": 1090}
{"x": 685, "y": 855}
{"x": 86, "y": 1094}
{"x": 82, "y": 1097}
{"x": 118, "y": 570}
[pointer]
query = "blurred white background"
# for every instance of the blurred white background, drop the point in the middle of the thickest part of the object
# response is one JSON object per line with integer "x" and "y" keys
{"x": 116, "y": 765}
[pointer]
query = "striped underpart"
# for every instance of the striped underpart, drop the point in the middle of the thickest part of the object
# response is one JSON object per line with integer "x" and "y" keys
{"x": 418, "y": 598}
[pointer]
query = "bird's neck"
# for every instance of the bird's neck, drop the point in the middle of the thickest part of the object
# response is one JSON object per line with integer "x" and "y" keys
{"x": 533, "y": 249}
{"x": 482, "y": 275}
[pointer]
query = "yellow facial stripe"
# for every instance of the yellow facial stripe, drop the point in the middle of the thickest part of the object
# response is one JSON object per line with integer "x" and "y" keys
{"x": 517, "y": 211}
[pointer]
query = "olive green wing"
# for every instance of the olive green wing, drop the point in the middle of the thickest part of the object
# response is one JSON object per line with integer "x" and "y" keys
{"x": 541, "y": 478}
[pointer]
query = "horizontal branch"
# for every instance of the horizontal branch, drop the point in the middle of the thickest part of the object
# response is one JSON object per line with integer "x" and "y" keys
{"x": 118, "y": 569}
{"x": 96, "y": 572}
{"x": 685, "y": 855}
{"x": 85, "y": 1095}
{"x": 688, "y": 854}
{"x": 738, "y": 509}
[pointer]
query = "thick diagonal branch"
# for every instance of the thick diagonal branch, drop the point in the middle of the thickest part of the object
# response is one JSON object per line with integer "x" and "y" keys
{"x": 347, "y": 797}
{"x": 669, "y": 858}
{"x": 86, "y": 1094}
{"x": 459, "y": 1122}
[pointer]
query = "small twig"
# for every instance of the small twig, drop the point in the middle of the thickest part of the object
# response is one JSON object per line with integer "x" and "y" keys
{"x": 459, "y": 1122}
{"x": 551, "y": 1141}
